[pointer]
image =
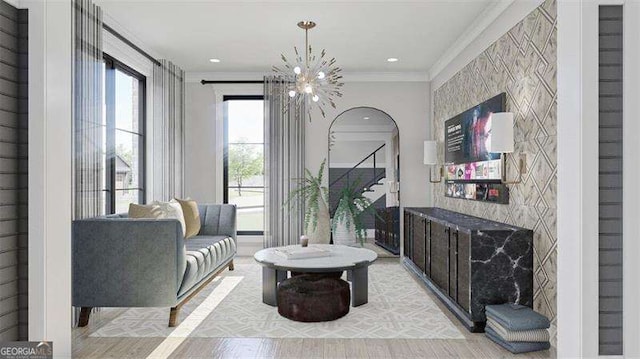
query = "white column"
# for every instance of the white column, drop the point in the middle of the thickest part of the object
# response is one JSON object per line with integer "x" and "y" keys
{"x": 50, "y": 194}
{"x": 577, "y": 179}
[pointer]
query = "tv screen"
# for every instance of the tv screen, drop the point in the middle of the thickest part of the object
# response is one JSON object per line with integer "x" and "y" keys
{"x": 467, "y": 139}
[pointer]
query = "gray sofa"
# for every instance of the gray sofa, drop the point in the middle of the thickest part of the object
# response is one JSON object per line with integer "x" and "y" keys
{"x": 122, "y": 262}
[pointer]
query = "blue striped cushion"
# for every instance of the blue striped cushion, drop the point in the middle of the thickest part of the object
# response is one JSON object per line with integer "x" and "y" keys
{"x": 517, "y": 347}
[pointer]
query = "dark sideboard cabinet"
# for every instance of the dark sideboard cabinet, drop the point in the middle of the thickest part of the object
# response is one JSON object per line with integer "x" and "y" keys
{"x": 469, "y": 262}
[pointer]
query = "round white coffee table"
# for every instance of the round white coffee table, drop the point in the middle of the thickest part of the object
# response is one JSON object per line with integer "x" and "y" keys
{"x": 355, "y": 261}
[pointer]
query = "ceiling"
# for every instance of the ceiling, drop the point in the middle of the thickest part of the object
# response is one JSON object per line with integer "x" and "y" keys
{"x": 249, "y": 36}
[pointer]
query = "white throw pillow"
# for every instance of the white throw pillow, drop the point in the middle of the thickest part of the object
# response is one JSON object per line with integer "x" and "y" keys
{"x": 172, "y": 210}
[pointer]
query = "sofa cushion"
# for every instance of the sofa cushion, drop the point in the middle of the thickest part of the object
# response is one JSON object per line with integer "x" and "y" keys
{"x": 144, "y": 211}
{"x": 190, "y": 274}
{"x": 202, "y": 260}
{"x": 205, "y": 255}
{"x": 191, "y": 216}
{"x": 203, "y": 241}
{"x": 217, "y": 220}
{"x": 172, "y": 210}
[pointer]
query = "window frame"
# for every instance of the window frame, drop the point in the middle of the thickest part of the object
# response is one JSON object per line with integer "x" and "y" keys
{"x": 111, "y": 65}
{"x": 225, "y": 155}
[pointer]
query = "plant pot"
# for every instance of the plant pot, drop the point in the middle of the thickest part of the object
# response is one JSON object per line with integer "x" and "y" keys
{"x": 322, "y": 232}
{"x": 345, "y": 235}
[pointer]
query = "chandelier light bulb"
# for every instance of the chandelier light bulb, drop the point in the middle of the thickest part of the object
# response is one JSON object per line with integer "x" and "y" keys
{"x": 311, "y": 75}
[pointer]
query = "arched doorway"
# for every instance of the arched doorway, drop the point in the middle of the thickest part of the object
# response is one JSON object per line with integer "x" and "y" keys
{"x": 364, "y": 155}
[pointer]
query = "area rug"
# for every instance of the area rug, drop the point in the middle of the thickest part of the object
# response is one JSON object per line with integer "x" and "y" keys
{"x": 381, "y": 252}
{"x": 398, "y": 308}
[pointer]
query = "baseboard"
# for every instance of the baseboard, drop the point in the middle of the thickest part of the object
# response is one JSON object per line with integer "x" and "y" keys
{"x": 247, "y": 246}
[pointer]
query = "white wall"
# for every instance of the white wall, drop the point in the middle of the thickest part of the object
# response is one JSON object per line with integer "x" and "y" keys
{"x": 408, "y": 104}
{"x": 50, "y": 182}
{"x": 204, "y": 137}
{"x": 346, "y": 152}
{"x": 200, "y": 143}
{"x": 577, "y": 179}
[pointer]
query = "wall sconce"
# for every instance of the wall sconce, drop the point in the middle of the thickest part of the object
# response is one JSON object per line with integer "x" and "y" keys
{"x": 431, "y": 159}
{"x": 502, "y": 142}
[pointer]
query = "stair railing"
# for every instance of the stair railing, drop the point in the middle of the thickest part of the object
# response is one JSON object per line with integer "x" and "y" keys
{"x": 346, "y": 174}
{"x": 367, "y": 185}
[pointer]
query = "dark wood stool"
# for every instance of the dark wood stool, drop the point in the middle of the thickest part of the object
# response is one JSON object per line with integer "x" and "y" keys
{"x": 312, "y": 298}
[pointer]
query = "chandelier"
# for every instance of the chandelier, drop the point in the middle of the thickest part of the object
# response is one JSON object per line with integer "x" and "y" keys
{"x": 311, "y": 81}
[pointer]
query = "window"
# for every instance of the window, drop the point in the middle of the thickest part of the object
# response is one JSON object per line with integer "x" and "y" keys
{"x": 244, "y": 161}
{"x": 124, "y": 136}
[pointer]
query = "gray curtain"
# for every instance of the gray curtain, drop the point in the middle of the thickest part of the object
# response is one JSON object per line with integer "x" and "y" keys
{"x": 88, "y": 123}
{"x": 168, "y": 113}
{"x": 284, "y": 124}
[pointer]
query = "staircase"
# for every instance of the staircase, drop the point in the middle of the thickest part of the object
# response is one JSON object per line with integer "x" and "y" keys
{"x": 376, "y": 190}
{"x": 369, "y": 181}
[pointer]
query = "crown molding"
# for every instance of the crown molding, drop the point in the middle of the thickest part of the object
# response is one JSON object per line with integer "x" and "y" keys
{"x": 481, "y": 23}
{"x": 408, "y": 76}
{"x": 15, "y": 3}
{"x": 194, "y": 76}
{"x": 493, "y": 23}
{"x": 115, "y": 25}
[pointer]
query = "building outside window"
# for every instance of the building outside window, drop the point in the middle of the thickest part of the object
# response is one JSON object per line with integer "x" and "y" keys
{"x": 124, "y": 136}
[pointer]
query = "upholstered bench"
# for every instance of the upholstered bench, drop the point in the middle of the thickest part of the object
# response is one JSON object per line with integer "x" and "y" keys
{"x": 313, "y": 298}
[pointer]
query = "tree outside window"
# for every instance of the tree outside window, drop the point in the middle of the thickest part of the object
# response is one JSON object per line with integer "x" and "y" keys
{"x": 244, "y": 162}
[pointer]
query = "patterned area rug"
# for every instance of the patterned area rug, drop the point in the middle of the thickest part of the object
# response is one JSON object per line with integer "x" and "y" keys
{"x": 381, "y": 252}
{"x": 397, "y": 308}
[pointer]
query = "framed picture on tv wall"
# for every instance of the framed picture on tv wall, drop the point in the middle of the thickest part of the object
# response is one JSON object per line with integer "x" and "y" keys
{"x": 471, "y": 171}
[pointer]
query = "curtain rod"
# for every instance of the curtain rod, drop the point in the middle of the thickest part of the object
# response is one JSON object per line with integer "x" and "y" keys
{"x": 204, "y": 82}
{"x": 131, "y": 44}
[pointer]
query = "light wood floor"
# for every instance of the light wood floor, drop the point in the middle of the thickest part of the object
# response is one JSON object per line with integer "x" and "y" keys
{"x": 473, "y": 346}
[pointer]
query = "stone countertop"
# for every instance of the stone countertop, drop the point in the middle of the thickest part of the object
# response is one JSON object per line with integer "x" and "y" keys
{"x": 462, "y": 222}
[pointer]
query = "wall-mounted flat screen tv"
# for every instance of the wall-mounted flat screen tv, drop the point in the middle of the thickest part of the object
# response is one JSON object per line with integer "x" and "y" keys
{"x": 467, "y": 139}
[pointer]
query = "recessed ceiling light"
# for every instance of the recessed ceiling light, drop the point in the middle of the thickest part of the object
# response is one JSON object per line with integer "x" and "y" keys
{"x": 392, "y": 59}
{"x": 214, "y": 60}
{"x": 365, "y": 118}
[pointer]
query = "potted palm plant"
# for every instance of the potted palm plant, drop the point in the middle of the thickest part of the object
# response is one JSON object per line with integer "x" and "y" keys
{"x": 347, "y": 223}
{"x": 313, "y": 196}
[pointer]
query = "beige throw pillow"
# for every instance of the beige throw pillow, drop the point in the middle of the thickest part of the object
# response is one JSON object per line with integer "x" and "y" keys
{"x": 172, "y": 210}
{"x": 191, "y": 216}
{"x": 144, "y": 211}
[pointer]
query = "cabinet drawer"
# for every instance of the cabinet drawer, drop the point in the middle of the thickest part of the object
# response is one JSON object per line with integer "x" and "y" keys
{"x": 440, "y": 256}
{"x": 427, "y": 248}
{"x": 418, "y": 237}
{"x": 453, "y": 264}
